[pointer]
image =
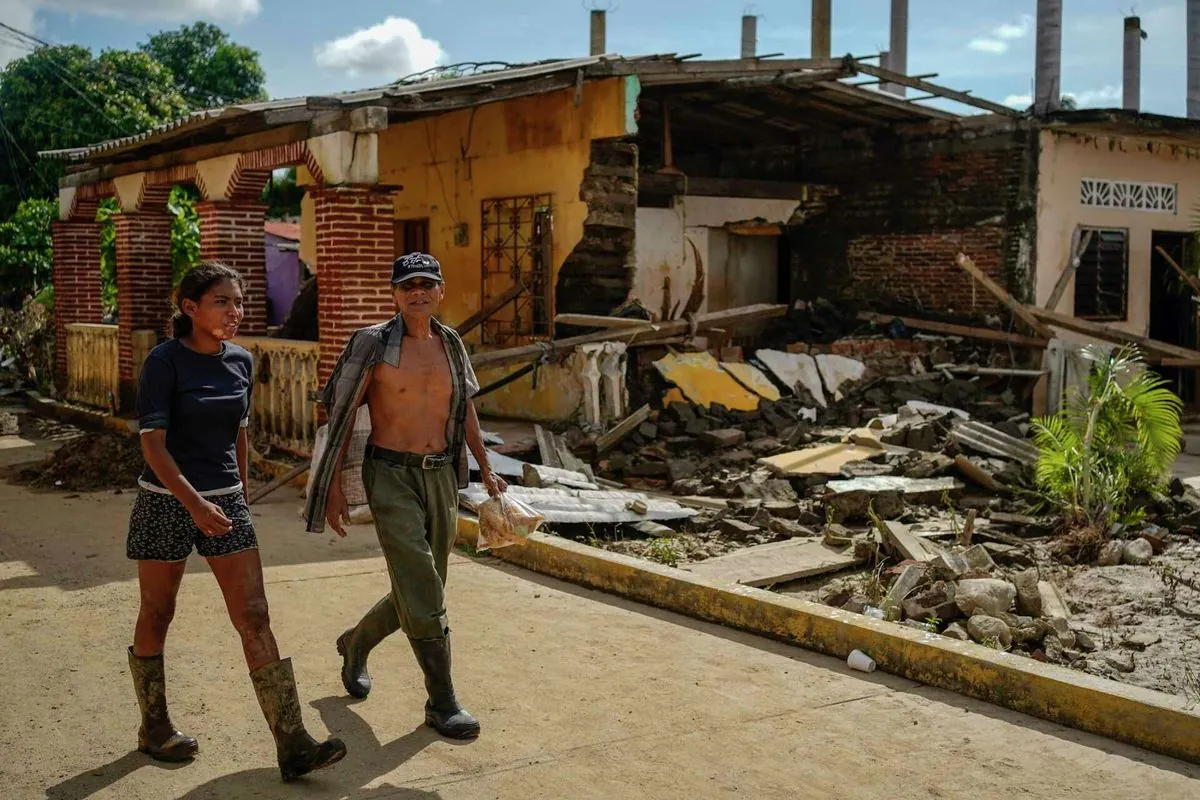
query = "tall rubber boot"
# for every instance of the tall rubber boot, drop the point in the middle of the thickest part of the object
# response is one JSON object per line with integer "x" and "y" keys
{"x": 356, "y": 643}
{"x": 442, "y": 711}
{"x": 157, "y": 737}
{"x": 297, "y": 752}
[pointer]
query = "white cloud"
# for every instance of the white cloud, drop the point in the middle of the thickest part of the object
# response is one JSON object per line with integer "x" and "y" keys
{"x": 1021, "y": 101}
{"x": 998, "y": 41}
{"x": 1097, "y": 98}
{"x": 234, "y": 11}
{"x": 20, "y": 15}
{"x": 395, "y": 47}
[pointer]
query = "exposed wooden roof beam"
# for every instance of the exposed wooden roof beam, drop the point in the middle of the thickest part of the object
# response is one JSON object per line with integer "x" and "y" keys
{"x": 950, "y": 94}
{"x": 881, "y": 98}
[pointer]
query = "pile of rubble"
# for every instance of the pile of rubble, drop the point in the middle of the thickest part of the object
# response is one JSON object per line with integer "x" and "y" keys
{"x": 90, "y": 463}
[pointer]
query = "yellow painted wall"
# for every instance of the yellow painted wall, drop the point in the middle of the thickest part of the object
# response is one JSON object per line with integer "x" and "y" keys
{"x": 1063, "y": 162}
{"x": 447, "y": 165}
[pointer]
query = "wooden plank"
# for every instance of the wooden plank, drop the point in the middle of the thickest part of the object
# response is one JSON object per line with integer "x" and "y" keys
{"x": 598, "y": 321}
{"x": 1068, "y": 270}
{"x": 977, "y": 474}
{"x": 282, "y": 480}
{"x": 891, "y": 76}
{"x": 730, "y": 318}
{"x": 986, "y": 334}
{"x": 1191, "y": 280}
{"x": 623, "y": 428}
{"x": 482, "y": 315}
{"x": 1004, "y": 297}
{"x": 1107, "y": 333}
{"x": 778, "y": 562}
{"x": 906, "y": 546}
{"x": 546, "y": 447}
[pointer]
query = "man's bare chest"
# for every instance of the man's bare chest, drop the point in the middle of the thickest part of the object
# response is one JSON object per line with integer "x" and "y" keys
{"x": 423, "y": 368}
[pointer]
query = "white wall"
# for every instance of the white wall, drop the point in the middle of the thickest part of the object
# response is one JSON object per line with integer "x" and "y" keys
{"x": 739, "y": 269}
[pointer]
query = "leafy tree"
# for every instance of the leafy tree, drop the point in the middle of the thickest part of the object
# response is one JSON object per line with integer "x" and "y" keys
{"x": 282, "y": 195}
{"x": 108, "y": 256}
{"x": 60, "y": 97}
{"x": 26, "y": 254}
{"x": 1110, "y": 445}
{"x": 185, "y": 232}
{"x": 209, "y": 69}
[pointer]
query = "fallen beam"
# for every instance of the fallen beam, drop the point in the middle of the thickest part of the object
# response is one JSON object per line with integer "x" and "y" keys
{"x": 598, "y": 321}
{"x": 1004, "y": 297}
{"x": 1068, "y": 271}
{"x": 730, "y": 318}
{"x": 986, "y": 334}
{"x": 1115, "y": 335}
{"x": 623, "y": 428}
{"x": 479, "y": 317}
{"x": 1191, "y": 280}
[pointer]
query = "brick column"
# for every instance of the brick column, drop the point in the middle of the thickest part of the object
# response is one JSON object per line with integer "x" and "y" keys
{"x": 232, "y": 233}
{"x": 143, "y": 286}
{"x": 76, "y": 279}
{"x": 354, "y": 264}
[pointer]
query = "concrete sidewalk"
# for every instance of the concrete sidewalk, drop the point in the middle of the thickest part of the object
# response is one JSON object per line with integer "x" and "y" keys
{"x": 580, "y": 695}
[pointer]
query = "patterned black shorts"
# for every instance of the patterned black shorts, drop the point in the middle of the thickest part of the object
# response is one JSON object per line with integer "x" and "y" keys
{"x": 161, "y": 529}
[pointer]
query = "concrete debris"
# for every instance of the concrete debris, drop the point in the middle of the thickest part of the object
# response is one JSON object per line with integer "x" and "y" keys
{"x": 956, "y": 631}
{"x": 985, "y": 439}
{"x": 702, "y": 380}
{"x": 1054, "y": 603}
{"x": 798, "y": 372}
{"x": 838, "y": 371}
{"x": 779, "y": 562}
{"x": 753, "y": 379}
{"x": 1137, "y": 552}
{"x": 10, "y": 425}
{"x": 1111, "y": 553}
{"x": 985, "y": 596}
{"x": 988, "y": 630}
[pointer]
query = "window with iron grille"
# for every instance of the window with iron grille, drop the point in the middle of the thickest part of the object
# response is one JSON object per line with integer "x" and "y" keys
{"x": 516, "y": 237}
{"x": 1102, "y": 278}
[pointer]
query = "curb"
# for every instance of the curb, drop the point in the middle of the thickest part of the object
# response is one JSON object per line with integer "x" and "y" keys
{"x": 1152, "y": 720}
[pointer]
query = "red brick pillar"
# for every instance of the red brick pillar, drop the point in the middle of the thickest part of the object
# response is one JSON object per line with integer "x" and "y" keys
{"x": 143, "y": 286}
{"x": 76, "y": 284}
{"x": 354, "y": 264}
{"x": 232, "y": 233}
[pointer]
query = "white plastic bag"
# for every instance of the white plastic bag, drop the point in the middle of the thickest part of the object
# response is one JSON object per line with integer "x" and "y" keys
{"x": 504, "y": 520}
{"x": 352, "y": 482}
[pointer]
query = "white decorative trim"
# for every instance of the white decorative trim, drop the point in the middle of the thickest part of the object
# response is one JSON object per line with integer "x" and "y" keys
{"x": 1159, "y": 198}
{"x": 150, "y": 487}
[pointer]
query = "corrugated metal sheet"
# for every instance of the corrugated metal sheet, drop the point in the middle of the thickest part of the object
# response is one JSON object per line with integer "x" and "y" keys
{"x": 582, "y": 505}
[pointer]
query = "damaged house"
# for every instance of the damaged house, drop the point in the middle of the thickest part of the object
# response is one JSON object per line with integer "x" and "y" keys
{"x": 664, "y": 185}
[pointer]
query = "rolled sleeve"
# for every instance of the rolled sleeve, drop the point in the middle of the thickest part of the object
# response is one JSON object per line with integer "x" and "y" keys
{"x": 154, "y": 394}
{"x": 469, "y": 378}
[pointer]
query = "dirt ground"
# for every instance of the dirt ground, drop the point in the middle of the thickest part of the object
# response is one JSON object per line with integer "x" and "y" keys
{"x": 581, "y": 695}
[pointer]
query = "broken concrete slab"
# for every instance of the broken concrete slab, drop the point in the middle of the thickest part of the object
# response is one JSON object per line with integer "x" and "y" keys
{"x": 936, "y": 601}
{"x": 917, "y": 491}
{"x": 907, "y": 547}
{"x": 908, "y": 579}
{"x": 753, "y": 379}
{"x": 737, "y": 530}
{"x": 778, "y": 562}
{"x": 837, "y": 371}
{"x": 501, "y": 464}
{"x": 821, "y": 459}
{"x": 985, "y": 439}
{"x": 989, "y": 596}
{"x": 702, "y": 380}
{"x": 581, "y": 505}
{"x": 797, "y": 371}
{"x": 723, "y": 438}
{"x": 1054, "y": 602}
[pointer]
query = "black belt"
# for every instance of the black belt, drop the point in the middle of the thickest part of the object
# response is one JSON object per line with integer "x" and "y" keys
{"x": 430, "y": 461}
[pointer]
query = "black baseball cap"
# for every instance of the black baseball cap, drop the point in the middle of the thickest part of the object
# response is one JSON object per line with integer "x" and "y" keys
{"x": 416, "y": 265}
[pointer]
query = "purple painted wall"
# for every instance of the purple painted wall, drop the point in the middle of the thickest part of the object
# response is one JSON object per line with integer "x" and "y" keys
{"x": 283, "y": 277}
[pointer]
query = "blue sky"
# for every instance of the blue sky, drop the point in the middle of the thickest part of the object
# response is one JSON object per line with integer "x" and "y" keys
{"x": 318, "y": 46}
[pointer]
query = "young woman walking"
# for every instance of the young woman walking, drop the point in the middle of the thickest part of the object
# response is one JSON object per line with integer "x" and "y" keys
{"x": 193, "y": 407}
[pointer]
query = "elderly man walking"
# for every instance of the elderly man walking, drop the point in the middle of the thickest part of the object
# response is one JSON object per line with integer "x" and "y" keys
{"x": 416, "y": 378}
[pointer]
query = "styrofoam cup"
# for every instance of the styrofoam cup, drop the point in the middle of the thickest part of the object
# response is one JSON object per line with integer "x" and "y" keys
{"x": 860, "y": 661}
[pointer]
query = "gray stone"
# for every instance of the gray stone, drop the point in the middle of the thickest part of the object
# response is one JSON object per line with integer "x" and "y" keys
{"x": 1061, "y": 630}
{"x": 1110, "y": 554}
{"x": 682, "y": 412}
{"x": 1137, "y": 552}
{"x": 955, "y": 630}
{"x": 697, "y": 426}
{"x": 772, "y": 489}
{"x": 723, "y": 438}
{"x": 761, "y": 518}
{"x": 736, "y": 457}
{"x": 949, "y": 566}
{"x": 1029, "y": 599}
{"x": 648, "y": 430}
{"x": 1085, "y": 642}
{"x": 928, "y": 465}
{"x": 905, "y": 582}
{"x": 984, "y": 628}
{"x": 857, "y": 603}
{"x": 737, "y": 530}
{"x": 1141, "y": 640}
{"x": 789, "y": 528}
{"x": 1120, "y": 660}
{"x": 920, "y": 626}
{"x": 783, "y": 508}
{"x": 936, "y": 601}
{"x": 978, "y": 559}
{"x": 679, "y": 469}
{"x": 765, "y": 446}
{"x": 984, "y": 596}
{"x": 865, "y": 469}
{"x": 9, "y": 424}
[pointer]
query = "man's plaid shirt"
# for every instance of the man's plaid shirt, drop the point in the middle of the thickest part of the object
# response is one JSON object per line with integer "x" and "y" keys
{"x": 366, "y": 348}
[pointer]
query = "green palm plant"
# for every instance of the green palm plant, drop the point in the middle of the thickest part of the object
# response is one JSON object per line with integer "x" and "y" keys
{"x": 1110, "y": 446}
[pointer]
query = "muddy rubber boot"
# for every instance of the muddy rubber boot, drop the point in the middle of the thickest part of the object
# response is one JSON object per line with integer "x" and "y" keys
{"x": 157, "y": 737}
{"x": 442, "y": 711}
{"x": 297, "y": 752}
{"x": 356, "y": 644}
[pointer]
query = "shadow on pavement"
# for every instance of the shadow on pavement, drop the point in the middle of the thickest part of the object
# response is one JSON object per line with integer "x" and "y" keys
{"x": 367, "y": 759}
{"x": 883, "y": 680}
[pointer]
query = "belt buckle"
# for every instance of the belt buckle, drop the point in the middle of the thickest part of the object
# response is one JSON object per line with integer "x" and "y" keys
{"x": 433, "y": 461}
